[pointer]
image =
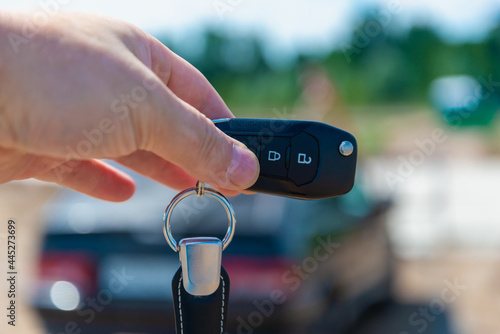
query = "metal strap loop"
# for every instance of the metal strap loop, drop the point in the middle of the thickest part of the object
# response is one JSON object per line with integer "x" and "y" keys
{"x": 200, "y": 190}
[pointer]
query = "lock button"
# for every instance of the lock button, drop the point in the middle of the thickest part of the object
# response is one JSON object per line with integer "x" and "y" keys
{"x": 304, "y": 158}
{"x": 273, "y": 155}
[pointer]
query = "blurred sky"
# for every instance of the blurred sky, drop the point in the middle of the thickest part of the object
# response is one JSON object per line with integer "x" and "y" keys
{"x": 289, "y": 26}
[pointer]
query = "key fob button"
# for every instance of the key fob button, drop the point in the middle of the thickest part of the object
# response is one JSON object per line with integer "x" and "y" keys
{"x": 252, "y": 142}
{"x": 273, "y": 156}
{"x": 304, "y": 158}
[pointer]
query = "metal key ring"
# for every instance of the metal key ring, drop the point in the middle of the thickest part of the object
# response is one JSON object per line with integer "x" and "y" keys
{"x": 200, "y": 190}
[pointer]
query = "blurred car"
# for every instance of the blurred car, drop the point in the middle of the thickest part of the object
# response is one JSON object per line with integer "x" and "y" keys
{"x": 295, "y": 266}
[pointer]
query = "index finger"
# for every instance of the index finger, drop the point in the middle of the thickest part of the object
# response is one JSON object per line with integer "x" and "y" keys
{"x": 185, "y": 81}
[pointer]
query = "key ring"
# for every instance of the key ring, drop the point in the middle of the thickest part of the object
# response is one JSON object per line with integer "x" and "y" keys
{"x": 199, "y": 191}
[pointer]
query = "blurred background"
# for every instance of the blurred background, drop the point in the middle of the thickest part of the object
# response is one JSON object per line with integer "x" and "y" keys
{"x": 414, "y": 248}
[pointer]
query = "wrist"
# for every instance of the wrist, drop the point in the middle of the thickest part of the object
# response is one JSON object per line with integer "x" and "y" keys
{"x": 14, "y": 33}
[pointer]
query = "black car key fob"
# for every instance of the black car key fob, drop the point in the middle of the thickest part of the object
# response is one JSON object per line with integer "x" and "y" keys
{"x": 299, "y": 159}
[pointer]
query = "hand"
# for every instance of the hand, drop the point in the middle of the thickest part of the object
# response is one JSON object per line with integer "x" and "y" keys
{"x": 86, "y": 87}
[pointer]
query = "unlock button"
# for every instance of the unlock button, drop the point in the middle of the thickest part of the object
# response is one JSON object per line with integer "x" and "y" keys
{"x": 303, "y": 158}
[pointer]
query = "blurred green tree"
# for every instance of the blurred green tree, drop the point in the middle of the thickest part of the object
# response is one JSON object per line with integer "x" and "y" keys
{"x": 389, "y": 69}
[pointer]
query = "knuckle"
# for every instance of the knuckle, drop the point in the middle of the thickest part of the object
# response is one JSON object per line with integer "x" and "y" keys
{"x": 207, "y": 147}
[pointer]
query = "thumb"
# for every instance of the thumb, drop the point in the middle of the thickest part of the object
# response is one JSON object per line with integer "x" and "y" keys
{"x": 187, "y": 138}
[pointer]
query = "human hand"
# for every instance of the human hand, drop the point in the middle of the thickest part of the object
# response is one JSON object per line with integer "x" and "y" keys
{"x": 86, "y": 87}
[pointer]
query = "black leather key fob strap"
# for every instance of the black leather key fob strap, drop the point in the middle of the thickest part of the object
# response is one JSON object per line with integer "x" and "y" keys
{"x": 200, "y": 314}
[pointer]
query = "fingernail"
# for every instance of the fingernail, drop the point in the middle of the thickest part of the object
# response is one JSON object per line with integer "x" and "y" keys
{"x": 244, "y": 168}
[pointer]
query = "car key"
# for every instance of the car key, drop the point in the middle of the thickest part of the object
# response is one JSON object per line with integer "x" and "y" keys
{"x": 299, "y": 159}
